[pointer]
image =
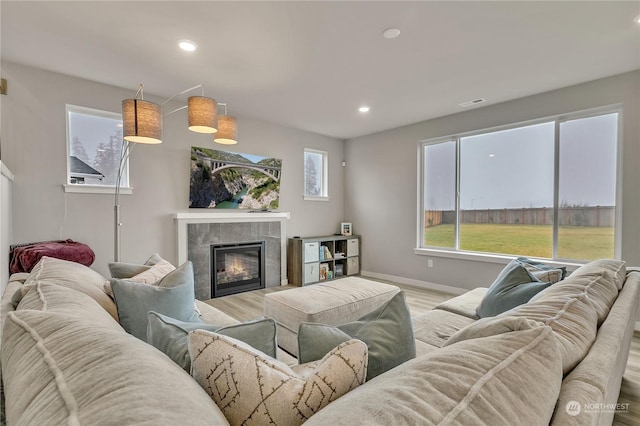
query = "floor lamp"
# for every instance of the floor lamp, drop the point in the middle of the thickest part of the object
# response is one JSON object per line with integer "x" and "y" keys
{"x": 142, "y": 123}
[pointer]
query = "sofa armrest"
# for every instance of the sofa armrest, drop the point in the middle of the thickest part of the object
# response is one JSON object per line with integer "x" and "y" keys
{"x": 212, "y": 315}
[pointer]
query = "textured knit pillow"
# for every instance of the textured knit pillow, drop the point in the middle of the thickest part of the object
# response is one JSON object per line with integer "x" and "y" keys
{"x": 514, "y": 286}
{"x": 172, "y": 296}
{"x": 387, "y": 331}
{"x": 171, "y": 335}
{"x": 251, "y": 388}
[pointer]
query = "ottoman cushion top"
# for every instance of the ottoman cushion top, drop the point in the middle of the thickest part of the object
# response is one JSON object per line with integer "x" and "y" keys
{"x": 333, "y": 303}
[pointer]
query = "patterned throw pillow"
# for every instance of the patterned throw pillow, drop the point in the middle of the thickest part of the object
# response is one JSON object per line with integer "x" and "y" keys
{"x": 543, "y": 272}
{"x": 151, "y": 276}
{"x": 251, "y": 388}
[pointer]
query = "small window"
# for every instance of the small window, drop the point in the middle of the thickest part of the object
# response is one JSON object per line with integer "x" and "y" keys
{"x": 94, "y": 146}
{"x": 315, "y": 175}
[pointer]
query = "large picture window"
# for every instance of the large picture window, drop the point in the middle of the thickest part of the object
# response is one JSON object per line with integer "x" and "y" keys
{"x": 94, "y": 144}
{"x": 545, "y": 189}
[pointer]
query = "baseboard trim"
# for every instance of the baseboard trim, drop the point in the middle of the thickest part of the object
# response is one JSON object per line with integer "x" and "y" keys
{"x": 415, "y": 283}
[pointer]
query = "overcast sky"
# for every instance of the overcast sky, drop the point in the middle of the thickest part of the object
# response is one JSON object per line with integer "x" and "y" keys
{"x": 93, "y": 130}
{"x": 514, "y": 168}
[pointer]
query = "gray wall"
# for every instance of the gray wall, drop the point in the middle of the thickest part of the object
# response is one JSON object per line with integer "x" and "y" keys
{"x": 33, "y": 138}
{"x": 381, "y": 180}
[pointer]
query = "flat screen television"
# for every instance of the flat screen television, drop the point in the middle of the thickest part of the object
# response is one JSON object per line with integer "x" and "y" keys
{"x": 231, "y": 180}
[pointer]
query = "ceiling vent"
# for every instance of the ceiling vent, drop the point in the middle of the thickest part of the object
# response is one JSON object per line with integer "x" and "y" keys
{"x": 473, "y": 102}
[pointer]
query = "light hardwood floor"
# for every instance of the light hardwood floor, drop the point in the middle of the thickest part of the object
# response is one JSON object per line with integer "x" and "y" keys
{"x": 247, "y": 306}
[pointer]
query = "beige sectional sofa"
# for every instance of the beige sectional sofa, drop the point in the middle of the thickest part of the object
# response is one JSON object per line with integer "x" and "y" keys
{"x": 66, "y": 360}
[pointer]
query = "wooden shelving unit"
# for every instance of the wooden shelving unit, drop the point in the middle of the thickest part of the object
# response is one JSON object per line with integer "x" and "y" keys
{"x": 318, "y": 259}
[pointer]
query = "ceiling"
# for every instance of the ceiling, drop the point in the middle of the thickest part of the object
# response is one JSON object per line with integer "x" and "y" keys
{"x": 310, "y": 65}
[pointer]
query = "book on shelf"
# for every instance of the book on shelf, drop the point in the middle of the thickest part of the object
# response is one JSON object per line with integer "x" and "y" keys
{"x": 324, "y": 271}
{"x": 326, "y": 253}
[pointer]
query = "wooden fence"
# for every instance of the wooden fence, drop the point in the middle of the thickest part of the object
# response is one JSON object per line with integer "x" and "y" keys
{"x": 598, "y": 216}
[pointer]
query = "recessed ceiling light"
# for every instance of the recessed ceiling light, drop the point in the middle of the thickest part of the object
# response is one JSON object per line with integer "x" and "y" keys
{"x": 364, "y": 108}
{"x": 187, "y": 45}
{"x": 390, "y": 33}
{"x": 637, "y": 19}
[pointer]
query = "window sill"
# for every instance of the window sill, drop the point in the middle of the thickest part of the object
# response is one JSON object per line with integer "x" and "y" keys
{"x": 96, "y": 189}
{"x": 488, "y": 258}
{"x": 311, "y": 198}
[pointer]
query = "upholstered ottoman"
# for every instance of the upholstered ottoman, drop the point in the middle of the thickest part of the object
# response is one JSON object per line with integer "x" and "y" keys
{"x": 333, "y": 303}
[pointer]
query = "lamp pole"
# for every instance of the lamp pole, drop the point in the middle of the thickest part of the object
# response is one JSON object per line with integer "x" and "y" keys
{"x": 124, "y": 156}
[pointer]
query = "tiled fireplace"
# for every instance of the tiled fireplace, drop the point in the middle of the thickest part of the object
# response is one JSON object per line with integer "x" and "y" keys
{"x": 202, "y": 235}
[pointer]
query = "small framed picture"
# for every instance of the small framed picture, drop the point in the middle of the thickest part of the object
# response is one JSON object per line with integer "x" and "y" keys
{"x": 345, "y": 228}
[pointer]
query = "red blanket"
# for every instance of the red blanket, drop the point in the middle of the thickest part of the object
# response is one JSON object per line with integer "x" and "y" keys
{"x": 24, "y": 257}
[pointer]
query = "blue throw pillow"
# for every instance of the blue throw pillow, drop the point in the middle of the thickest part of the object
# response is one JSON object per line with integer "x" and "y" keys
{"x": 171, "y": 336}
{"x": 387, "y": 332}
{"x": 514, "y": 286}
{"x": 172, "y": 296}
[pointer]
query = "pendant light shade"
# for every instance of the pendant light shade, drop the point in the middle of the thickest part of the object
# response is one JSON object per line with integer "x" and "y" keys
{"x": 203, "y": 115}
{"x": 227, "y": 130}
{"x": 142, "y": 121}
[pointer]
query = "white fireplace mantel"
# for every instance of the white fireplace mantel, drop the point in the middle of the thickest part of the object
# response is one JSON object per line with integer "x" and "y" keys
{"x": 184, "y": 219}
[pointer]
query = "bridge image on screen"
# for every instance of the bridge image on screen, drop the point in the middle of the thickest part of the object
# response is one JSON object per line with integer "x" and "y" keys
{"x": 231, "y": 180}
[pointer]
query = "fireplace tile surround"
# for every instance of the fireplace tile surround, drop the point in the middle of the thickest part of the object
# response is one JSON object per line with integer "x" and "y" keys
{"x": 197, "y": 231}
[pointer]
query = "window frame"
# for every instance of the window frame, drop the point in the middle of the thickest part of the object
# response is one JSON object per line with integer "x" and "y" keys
{"x": 324, "y": 189}
{"x": 126, "y": 188}
{"x": 456, "y": 252}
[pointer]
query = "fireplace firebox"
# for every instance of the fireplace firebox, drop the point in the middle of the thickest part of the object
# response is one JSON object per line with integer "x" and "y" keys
{"x": 237, "y": 267}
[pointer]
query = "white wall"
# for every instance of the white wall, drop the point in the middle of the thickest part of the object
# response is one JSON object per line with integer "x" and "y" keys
{"x": 33, "y": 146}
{"x": 381, "y": 180}
{"x": 6, "y": 190}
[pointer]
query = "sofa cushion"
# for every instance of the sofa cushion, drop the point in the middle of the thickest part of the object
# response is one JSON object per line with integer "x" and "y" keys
{"x": 598, "y": 286}
{"x": 514, "y": 286}
{"x": 616, "y": 267}
{"x": 572, "y": 318}
{"x": 251, "y": 388}
{"x": 59, "y": 370}
{"x": 465, "y": 304}
{"x": 507, "y": 379}
{"x": 387, "y": 331}
{"x": 48, "y": 297}
{"x": 171, "y": 335}
{"x": 492, "y": 326}
{"x": 173, "y": 296}
{"x": 435, "y": 327}
{"x": 74, "y": 276}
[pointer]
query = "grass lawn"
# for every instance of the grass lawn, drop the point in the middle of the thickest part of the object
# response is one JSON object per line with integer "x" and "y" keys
{"x": 586, "y": 243}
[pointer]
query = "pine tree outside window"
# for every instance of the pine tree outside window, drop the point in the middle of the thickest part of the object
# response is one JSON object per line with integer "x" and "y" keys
{"x": 94, "y": 144}
{"x": 315, "y": 175}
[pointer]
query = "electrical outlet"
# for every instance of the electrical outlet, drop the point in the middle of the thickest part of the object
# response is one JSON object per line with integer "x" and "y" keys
{"x": 429, "y": 263}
